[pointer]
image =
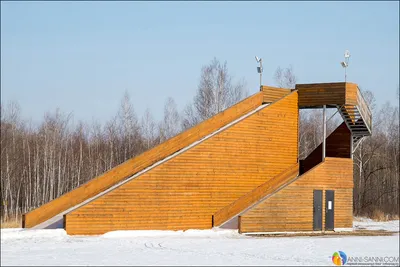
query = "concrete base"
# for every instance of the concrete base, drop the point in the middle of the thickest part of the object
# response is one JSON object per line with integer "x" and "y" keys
{"x": 231, "y": 224}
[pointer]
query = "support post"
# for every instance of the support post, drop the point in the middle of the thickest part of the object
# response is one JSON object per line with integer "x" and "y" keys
{"x": 261, "y": 70}
{"x": 324, "y": 133}
{"x": 351, "y": 145}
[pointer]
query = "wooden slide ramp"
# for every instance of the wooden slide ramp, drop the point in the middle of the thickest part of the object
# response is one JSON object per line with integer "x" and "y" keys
{"x": 45, "y": 214}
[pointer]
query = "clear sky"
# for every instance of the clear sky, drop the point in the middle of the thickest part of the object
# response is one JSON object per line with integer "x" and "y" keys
{"x": 82, "y": 56}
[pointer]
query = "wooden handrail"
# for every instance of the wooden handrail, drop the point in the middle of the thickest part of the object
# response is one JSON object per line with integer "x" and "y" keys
{"x": 254, "y": 196}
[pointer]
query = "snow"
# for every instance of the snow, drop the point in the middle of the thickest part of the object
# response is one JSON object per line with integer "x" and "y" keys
{"x": 57, "y": 220}
{"x": 192, "y": 247}
{"x": 361, "y": 223}
{"x": 215, "y": 232}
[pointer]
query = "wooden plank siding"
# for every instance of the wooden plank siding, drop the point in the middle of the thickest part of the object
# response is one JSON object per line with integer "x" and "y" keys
{"x": 351, "y": 99}
{"x": 136, "y": 164}
{"x": 272, "y": 94}
{"x": 351, "y": 94}
{"x": 185, "y": 191}
{"x": 316, "y": 95}
{"x": 291, "y": 209}
{"x": 331, "y": 94}
{"x": 337, "y": 146}
{"x": 256, "y": 195}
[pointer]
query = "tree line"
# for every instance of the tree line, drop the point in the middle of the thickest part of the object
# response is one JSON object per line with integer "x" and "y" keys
{"x": 42, "y": 162}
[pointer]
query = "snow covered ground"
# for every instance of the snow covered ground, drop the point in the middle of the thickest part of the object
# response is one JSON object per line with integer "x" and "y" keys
{"x": 361, "y": 223}
{"x": 193, "y": 247}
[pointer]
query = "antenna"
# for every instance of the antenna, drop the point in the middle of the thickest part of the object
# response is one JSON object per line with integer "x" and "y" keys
{"x": 259, "y": 69}
{"x": 345, "y": 63}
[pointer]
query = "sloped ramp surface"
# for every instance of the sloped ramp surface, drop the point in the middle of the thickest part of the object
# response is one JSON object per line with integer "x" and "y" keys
{"x": 227, "y": 216}
{"x": 184, "y": 192}
{"x": 50, "y": 215}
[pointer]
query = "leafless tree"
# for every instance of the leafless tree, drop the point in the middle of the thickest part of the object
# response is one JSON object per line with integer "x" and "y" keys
{"x": 148, "y": 127}
{"x": 40, "y": 162}
{"x": 189, "y": 117}
{"x": 171, "y": 125}
{"x": 216, "y": 92}
{"x": 285, "y": 78}
{"x": 128, "y": 128}
{"x": 376, "y": 164}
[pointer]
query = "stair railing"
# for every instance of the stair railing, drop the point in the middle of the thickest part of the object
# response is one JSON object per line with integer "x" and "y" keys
{"x": 365, "y": 112}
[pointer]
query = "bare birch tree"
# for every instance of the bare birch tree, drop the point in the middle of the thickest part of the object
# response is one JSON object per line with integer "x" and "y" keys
{"x": 171, "y": 125}
{"x": 216, "y": 91}
{"x": 148, "y": 127}
{"x": 40, "y": 162}
{"x": 285, "y": 78}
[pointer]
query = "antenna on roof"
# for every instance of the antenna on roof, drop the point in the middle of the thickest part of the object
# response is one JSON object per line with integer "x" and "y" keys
{"x": 260, "y": 69}
{"x": 345, "y": 63}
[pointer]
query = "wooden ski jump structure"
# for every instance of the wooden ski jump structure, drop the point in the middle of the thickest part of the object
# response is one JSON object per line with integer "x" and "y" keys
{"x": 238, "y": 169}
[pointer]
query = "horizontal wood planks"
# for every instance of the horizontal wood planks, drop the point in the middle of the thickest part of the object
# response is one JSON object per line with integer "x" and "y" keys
{"x": 146, "y": 159}
{"x": 331, "y": 94}
{"x": 185, "y": 191}
{"x": 319, "y": 94}
{"x": 255, "y": 195}
{"x": 272, "y": 94}
{"x": 351, "y": 94}
{"x": 351, "y": 99}
{"x": 291, "y": 209}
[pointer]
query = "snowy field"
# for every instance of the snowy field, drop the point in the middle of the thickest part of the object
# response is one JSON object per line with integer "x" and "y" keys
{"x": 193, "y": 247}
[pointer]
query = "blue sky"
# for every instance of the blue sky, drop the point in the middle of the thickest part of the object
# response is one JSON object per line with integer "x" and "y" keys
{"x": 82, "y": 56}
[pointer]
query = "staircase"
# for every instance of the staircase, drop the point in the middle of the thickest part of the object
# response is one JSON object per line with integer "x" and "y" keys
{"x": 358, "y": 118}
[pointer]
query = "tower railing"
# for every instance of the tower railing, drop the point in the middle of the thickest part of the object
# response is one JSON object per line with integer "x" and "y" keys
{"x": 364, "y": 110}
